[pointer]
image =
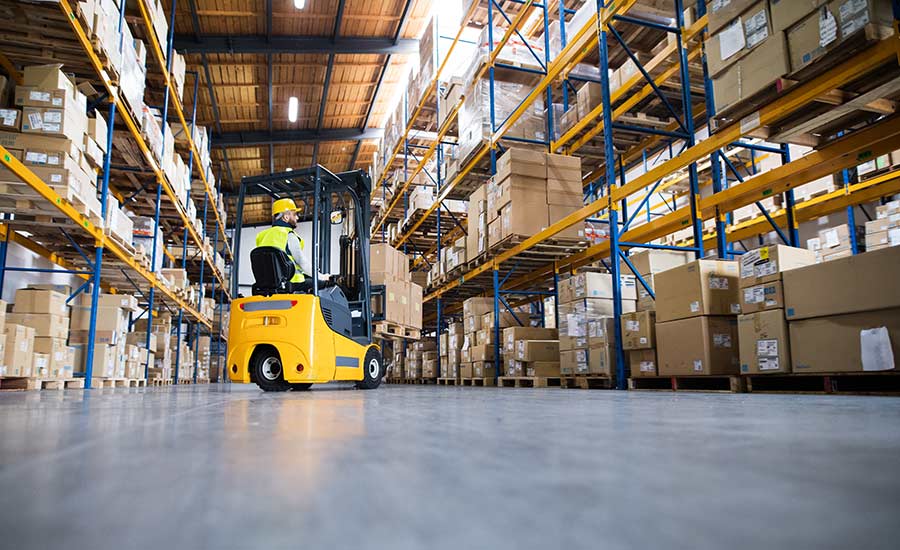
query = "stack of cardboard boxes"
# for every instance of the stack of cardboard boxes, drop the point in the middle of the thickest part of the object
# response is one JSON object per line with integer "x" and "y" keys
{"x": 762, "y": 328}
{"x": 413, "y": 363}
{"x": 451, "y": 353}
{"x": 402, "y": 303}
{"x": 478, "y": 339}
{"x": 884, "y": 230}
{"x": 428, "y": 349}
{"x": 530, "y": 191}
{"x": 516, "y": 362}
{"x": 696, "y": 311}
{"x": 833, "y": 243}
{"x": 753, "y": 43}
{"x": 160, "y": 349}
{"x": 639, "y": 328}
{"x": 844, "y": 315}
{"x": 110, "y": 341}
{"x": 36, "y": 333}
{"x": 582, "y": 298}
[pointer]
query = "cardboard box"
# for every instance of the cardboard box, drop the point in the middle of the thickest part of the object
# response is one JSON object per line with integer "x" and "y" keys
{"x": 788, "y": 12}
{"x": 44, "y": 325}
{"x": 599, "y": 361}
{"x": 511, "y": 334}
{"x": 40, "y": 301}
{"x": 828, "y": 27}
{"x": 525, "y": 162}
{"x": 482, "y": 353}
{"x": 648, "y": 262}
{"x": 762, "y": 297}
{"x": 485, "y": 337}
{"x": 526, "y": 191}
{"x": 863, "y": 282}
{"x": 557, "y": 212}
{"x": 702, "y": 287}
{"x": 18, "y": 350}
{"x": 542, "y": 368}
{"x": 523, "y": 218}
{"x": 106, "y": 360}
{"x": 483, "y": 369}
{"x": 415, "y": 306}
{"x": 763, "y": 343}
{"x": 537, "y": 350}
{"x": 601, "y": 332}
{"x": 639, "y": 330}
{"x": 698, "y": 345}
{"x": 56, "y": 351}
{"x": 594, "y": 285}
{"x": 589, "y": 97}
{"x": 723, "y": 12}
{"x": 645, "y": 302}
{"x": 10, "y": 119}
{"x": 642, "y": 362}
{"x": 466, "y": 370}
{"x": 738, "y": 37}
{"x": 753, "y": 73}
{"x": 476, "y": 236}
{"x": 865, "y": 341}
{"x": 495, "y": 234}
{"x": 766, "y": 264}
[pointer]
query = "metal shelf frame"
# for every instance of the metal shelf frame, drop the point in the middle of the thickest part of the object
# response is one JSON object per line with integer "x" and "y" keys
{"x": 620, "y": 201}
{"x": 94, "y": 280}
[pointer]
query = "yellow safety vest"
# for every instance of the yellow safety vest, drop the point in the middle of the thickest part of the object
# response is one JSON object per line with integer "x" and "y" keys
{"x": 277, "y": 236}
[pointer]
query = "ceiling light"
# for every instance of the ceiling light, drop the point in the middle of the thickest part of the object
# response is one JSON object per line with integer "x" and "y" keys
{"x": 289, "y": 169}
{"x": 293, "y": 108}
{"x": 299, "y": 4}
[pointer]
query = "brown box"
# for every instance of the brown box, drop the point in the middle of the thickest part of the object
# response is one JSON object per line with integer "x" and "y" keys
{"x": 40, "y": 301}
{"x": 721, "y": 13}
{"x": 382, "y": 268}
{"x": 10, "y": 119}
{"x": 523, "y": 217}
{"x": 495, "y": 234}
{"x": 645, "y": 302}
{"x": 589, "y": 97}
{"x": 854, "y": 342}
{"x": 557, "y": 212}
{"x": 639, "y": 330}
{"x": 763, "y": 343}
{"x": 18, "y": 350}
{"x": 475, "y": 238}
{"x": 414, "y": 318}
{"x": 44, "y": 325}
{"x": 601, "y": 331}
{"x": 537, "y": 350}
{"x": 698, "y": 345}
{"x": 466, "y": 370}
{"x": 762, "y": 297}
{"x": 483, "y": 369}
{"x": 563, "y": 167}
{"x": 485, "y": 336}
{"x": 648, "y": 262}
{"x": 810, "y": 40}
{"x": 766, "y": 264}
{"x": 738, "y": 37}
{"x": 477, "y": 306}
{"x": 542, "y": 368}
{"x": 702, "y": 287}
{"x": 787, "y": 12}
{"x": 567, "y": 343}
{"x": 482, "y": 353}
{"x": 642, "y": 362}
{"x": 524, "y": 190}
{"x": 512, "y": 334}
{"x": 594, "y": 285}
{"x": 599, "y": 361}
{"x": 753, "y": 73}
{"x": 520, "y": 161}
{"x": 857, "y": 283}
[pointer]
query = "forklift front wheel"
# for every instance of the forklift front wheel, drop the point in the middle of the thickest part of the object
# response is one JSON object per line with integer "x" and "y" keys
{"x": 373, "y": 371}
{"x": 267, "y": 371}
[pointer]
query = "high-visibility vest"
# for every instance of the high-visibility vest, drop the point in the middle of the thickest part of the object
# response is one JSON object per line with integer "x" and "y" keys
{"x": 277, "y": 236}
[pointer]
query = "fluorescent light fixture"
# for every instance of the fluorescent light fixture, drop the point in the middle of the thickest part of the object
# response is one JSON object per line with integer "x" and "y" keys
{"x": 289, "y": 169}
{"x": 293, "y": 108}
{"x": 299, "y": 4}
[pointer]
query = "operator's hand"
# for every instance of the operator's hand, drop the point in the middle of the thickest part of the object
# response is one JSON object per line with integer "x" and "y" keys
{"x": 324, "y": 277}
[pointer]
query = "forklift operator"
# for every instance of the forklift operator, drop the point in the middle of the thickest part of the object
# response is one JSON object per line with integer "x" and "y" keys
{"x": 282, "y": 236}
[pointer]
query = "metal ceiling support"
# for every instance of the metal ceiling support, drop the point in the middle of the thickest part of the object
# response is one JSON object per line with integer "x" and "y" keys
{"x": 325, "y": 88}
{"x": 355, "y": 155}
{"x": 249, "y": 139}
{"x": 294, "y": 44}
{"x": 387, "y": 62}
{"x": 315, "y": 159}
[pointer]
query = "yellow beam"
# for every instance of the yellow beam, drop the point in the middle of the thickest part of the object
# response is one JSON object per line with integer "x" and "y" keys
{"x": 10, "y": 69}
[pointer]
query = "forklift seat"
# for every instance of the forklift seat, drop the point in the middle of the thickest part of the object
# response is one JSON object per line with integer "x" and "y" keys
{"x": 272, "y": 271}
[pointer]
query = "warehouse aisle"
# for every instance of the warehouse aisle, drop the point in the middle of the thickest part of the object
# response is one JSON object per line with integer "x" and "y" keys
{"x": 415, "y": 467}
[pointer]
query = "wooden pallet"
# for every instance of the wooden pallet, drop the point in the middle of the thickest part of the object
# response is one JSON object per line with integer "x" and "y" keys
{"x": 712, "y": 383}
{"x": 448, "y": 381}
{"x": 479, "y": 382}
{"x": 530, "y": 382}
{"x": 416, "y": 381}
{"x": 98, "y": 383}
{"x": 394, "y": 331}
{"x": 850, "y": 383}
{"x": 159, "y": 382}
{"x": 588, "y": 382}
{"x": 26, "y": 383}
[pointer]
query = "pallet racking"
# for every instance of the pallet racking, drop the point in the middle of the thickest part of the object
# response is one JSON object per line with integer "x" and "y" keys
{"x": 113, "y": 266}
{"x": 693, "y": 138}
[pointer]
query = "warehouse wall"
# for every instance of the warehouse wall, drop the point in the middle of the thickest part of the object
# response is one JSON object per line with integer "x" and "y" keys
{"x": 19, "y": 256}
{"x": 248, "y": 242}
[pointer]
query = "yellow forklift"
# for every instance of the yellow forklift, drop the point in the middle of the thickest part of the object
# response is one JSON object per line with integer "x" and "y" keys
{"x": 286, "y": 338}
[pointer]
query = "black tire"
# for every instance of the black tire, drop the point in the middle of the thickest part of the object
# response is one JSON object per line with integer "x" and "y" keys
{"x": 301, "y": 387}
{"x": 265, "y": 365}
{"x": 373, "y": 370}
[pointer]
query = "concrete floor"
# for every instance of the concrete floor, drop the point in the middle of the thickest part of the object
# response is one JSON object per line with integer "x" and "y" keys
{"x": 426, "y": 467}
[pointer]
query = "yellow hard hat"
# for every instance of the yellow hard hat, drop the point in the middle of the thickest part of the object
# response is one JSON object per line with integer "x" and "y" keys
{"x": 283, "y": 205}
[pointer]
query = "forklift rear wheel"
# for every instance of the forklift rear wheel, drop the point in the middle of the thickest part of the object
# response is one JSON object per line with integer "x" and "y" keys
{"x": 300, "y": 387}
{"x": 268, "y": 374}
{"x": 373, "y": 371}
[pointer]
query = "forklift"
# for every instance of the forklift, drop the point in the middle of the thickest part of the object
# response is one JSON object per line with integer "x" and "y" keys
{"x": 282, "y": 338}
